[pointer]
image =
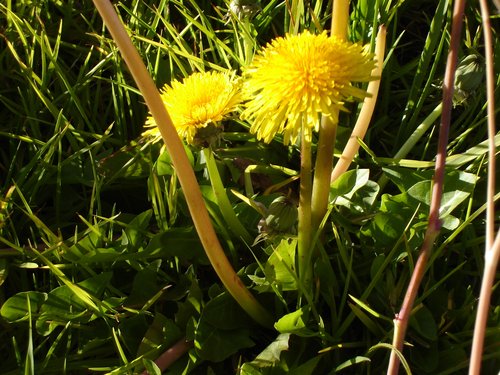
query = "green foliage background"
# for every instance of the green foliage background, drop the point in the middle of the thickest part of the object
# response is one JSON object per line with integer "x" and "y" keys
{"x": 100, "y": 267}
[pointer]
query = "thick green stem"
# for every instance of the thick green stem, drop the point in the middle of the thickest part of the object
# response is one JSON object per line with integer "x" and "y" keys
{"x": 185, "y": 172}
{"x": 323, "y": 168}
{"x": 304, "y": 227}
{"x": 222, "y": 199}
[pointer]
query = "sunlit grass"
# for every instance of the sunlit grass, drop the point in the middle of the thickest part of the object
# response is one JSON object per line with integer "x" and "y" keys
{"x": 95, "y": 232}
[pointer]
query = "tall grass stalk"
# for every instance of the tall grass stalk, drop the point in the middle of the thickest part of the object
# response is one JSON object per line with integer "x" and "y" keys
{"x": 492, "y": 251}
{"x": 434, "y": 223}
{"x": 185, "y": 173}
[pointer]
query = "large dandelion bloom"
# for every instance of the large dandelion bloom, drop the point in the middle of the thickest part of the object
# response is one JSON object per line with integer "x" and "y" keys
{"x": 197, "y": 103}
{"x": 295, "y": 78}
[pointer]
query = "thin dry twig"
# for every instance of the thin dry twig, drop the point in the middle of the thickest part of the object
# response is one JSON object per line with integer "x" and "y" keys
{"x": 434, "y": 225}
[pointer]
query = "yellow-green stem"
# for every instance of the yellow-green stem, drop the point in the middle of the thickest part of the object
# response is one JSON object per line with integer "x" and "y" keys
{"x": 222, "y": 199}
{"x": 185, "y": 173}
{"x": 340, "y": 18}
{"x": 327, "y": 132}
{"x": 366, "y": 112}
{"x": 304, "y": 227}
{"x": 323, "y": 168}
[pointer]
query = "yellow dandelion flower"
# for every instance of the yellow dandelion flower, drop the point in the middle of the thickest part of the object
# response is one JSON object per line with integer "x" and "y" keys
{"x": 295, "y": 78}
{"x": 200, "y": 100}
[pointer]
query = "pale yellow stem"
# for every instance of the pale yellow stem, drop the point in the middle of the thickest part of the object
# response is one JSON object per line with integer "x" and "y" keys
{"x": 185, "y": 173}
{"x": 340, "y": 18}
{"x": 327, "y": 132}
{"x": 366, "y": 112}
{"x": 492, "y": 252}
{"x": 323, "y": 168}
{"x": 304, "y": 226}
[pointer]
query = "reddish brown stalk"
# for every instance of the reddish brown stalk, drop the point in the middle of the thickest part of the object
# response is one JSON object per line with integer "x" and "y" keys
{"x": 172, "y": 354}
{"x": 492, "y": 251}
{"x": 402, "y": 318}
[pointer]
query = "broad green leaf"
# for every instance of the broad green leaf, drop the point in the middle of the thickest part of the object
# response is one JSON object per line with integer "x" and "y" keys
{"x": 145, "y": 285}
{"x": 133, "y": 233}
{"x": 223, "y": 329}
{"x": 176, "y": 242}
{"x": 223, "y": 312}
{"x": 270, "y": 356}
{"x": 249, "y": 369}
{"x": 423, "y": 322}
{"x": 458, "y": 186}
{"x": 63, "y": 304}
{"x": 296, "y": 323}
{"x": 132, "y": 329}
{"x": 15, "y": 309}
{"x": 280, "y": 267}
{"x": 215, "y": 344}
{"x": 348, "y": 183}
{"x": 404, "y": 178}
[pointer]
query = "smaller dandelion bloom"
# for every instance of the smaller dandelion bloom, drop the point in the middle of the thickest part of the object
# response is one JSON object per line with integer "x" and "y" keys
{"x": 295, "y": 78}
{"x": 197, "y": 104}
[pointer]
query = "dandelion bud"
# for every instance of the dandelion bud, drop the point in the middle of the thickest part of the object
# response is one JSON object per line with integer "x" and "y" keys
{"x": 281, "y": 215}
{"x": 468, "y": 77}
{"x": 244, "y": 8}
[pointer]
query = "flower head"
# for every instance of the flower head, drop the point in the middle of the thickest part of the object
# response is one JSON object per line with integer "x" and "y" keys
{"x": 295, "y": 78}
{"x": 197, "y": 105}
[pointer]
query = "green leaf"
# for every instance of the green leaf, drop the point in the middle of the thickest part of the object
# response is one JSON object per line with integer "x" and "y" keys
{"x": 353, "y": 361}
{"x": 125, "y": 163}
{"x": 280, "y": 267}
{"x": 15, "y": 309}
{"x": 164, "y": 164}
{"x": 295, "y": 322}
{"x": 4, "y": 269}
{"x": 151, "y": 367}
{"x": 133, "y": 234}
{"x": 404, "y": 178}
{"x": 426, "y": 357}
{"x": 132, "y": 329}
{"x": 347, "y": 184}
{"x": 63, "y": 304}
{"x": 223, "y": 312}
{"x": 270, "y": 356}
{"x": 223, "y": 329}
{"x": 306, "y": 368}
{"x": 458, "y": 186}
{"x": 145, "y": 285}
{"x": 214, "y": 344}
{"x": 182, "y": 243}
{"x": 423, "y": 322}
{"x": 162, "y": 331}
